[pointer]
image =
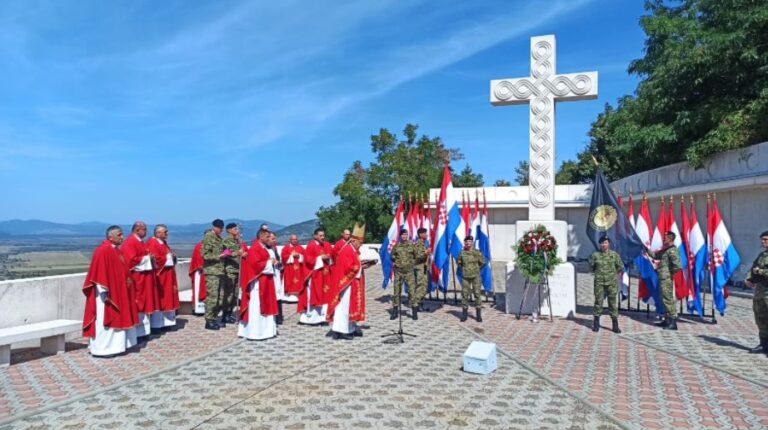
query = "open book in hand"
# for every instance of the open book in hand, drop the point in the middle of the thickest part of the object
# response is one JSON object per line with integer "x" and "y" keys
{"x": 368, "y": 263}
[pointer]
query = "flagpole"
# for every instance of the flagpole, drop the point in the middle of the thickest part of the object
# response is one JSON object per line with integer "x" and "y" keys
{"x": 706, "y": 241}
{"x": 710, "y": 266}
{"x": 693, "y": 268}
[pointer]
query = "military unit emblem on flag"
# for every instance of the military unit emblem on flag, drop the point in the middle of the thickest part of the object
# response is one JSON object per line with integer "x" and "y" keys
{"x": 603, "y": 217}
{"x": 607, "y": 218}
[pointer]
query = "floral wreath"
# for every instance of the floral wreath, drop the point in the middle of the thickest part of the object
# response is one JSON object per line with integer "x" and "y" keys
{"x": 537, "y": 254}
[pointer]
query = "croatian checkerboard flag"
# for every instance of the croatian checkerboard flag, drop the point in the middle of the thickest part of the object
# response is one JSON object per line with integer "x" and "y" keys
{"x": 724, "y": 258}
{"x": 484, "y": 245}
{"x": 449, "y": 227}
{"x": 474, "y": 226}
{"x": 389, "y": 242}
{"x": 412, "y": 220}
{"x": 697, "y": 247}
{"x": 649, "y": 282}
{"x": 681, "y": 290}
{"x": 426, "y": 222}
{"x": 622, "y": 279}
{"x": 657, "y": 240}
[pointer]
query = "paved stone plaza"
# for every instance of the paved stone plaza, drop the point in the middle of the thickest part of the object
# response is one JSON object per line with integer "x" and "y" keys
{"x": 551, "y": 375}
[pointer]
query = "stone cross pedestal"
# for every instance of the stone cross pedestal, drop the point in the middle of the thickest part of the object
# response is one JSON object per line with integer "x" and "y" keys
{"x": 540, "y": 91}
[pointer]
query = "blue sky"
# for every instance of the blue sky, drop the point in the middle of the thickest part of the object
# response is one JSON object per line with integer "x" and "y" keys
{"x": 181, "y": 111}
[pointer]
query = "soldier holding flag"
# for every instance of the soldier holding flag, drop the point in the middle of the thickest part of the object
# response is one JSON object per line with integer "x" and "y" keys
{"x": 606, "y": 264}
{"x": 609, "y": 229}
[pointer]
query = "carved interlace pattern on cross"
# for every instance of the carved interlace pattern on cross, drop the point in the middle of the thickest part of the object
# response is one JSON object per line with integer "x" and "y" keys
{"x": 542, "y": 92}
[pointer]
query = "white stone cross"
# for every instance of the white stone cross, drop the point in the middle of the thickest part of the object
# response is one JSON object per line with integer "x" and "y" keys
{"x": 540, "y": 91}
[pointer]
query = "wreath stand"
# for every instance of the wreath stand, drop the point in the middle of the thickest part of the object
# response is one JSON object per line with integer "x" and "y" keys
{"x": 538, "y": 285}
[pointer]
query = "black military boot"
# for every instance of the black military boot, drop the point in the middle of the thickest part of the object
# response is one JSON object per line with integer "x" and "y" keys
{"x": 230, "y": 319}
{"x": 415, "y": 313}
{"x": 596, "y": 324}
{"x": 479, "y": 315}
{"x": 663, "y": 323}
{"x": 393, "y": 313}
{"x": 279, "y": 317}
{"x": 212, "y": 325}
{"x": 762, "y": 348}
{"x": 463, "y": 314}
{"x": 672, "y": 325}
{"x": 615, "y": 322}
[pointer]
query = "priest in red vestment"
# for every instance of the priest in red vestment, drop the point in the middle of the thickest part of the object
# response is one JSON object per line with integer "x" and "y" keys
{"x": 315, "y": 295}
{"x": 109, "y": 317}
{"x": 347, "y": 306}
{"x": 341, "y": 243}
{"x": 293, "y": 269}
{"x": 258, "y": 304}
{"x": 197, "y": 278}
{"x": 165, "y": 276}
{"x": 140, "y": 263}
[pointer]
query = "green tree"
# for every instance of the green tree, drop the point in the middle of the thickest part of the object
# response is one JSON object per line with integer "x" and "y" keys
{"x": 403, "y": 167}
{"x": 703, "y": 90}
{"x": 467, "y": 178}
{"x": 521, "y": 173}
{"x": 502, "y": 183}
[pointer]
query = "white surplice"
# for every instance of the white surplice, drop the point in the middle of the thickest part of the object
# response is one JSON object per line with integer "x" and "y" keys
{"x": 278, "y": 276}
{"x": 258, "y": 327}
{"x": 198, "y": 306}
{"x": 167, "y": 318}
{"x": 107, "y": 341}
{"x": 341, "y": 322}
{"x": 144, "y": 326}
{"x": 315, "y": 314}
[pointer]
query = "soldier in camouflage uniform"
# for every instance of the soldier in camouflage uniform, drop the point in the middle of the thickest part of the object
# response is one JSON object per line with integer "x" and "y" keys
{"x": 667, "y": 263}
{"x": 404, "y": 260}
{"x": 232, "y": 270}
{"x": 421, "y": 253}
{"x": 606, "y": 265}
{"x": 470, "y": 262}
{"x": 757, "y": 278}
{"x": 213, "y": 269}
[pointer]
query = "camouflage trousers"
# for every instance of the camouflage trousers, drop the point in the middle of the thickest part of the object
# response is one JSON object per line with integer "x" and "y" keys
{"x": 668, "y": 297}
{"x": 229, "y": 301}
{"x": 760, "y": 307}
{"x": 612, "y": 290}
{"x": 214, "y": 294}
{"x": 415, "y": 294}
{"x": 471, "y": 290}
{"x": 422, "y": 282}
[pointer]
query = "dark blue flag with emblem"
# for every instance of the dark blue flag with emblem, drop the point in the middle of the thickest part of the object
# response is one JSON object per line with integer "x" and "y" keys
{"x": 607, "y": 219}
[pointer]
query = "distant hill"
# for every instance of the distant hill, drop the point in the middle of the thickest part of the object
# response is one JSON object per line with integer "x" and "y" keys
{"x": 303, "y": 230}
{"x": 35, "y": 227}
{"x": 16, "y": 228}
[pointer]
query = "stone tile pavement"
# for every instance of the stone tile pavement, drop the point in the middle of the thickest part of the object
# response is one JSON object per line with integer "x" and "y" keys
{"x": 698, "y": 377}
{"x": 551, "y": 375}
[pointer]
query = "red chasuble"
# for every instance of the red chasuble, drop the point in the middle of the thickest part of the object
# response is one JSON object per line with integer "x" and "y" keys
{"x": 294, "y": 273}
{"x": 338, "y": 246}
{"x": 147, "y": 294}
{"x": 108, "y": 269}
{"x": 321, "y": 278}
{"x": 195, "y": 265}
{"x": 165, "y": 275}
{"x": 256, "y": 261}
{"x": 344, "y": 273}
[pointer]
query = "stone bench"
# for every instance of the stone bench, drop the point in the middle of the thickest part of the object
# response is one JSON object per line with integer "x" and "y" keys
{"x": 51, "y": 334}
{"x": 185, "y": 303}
